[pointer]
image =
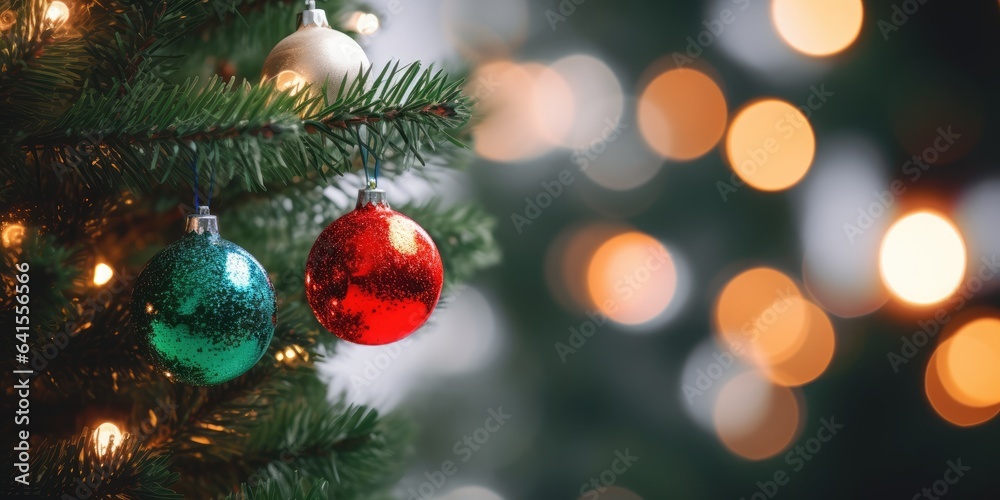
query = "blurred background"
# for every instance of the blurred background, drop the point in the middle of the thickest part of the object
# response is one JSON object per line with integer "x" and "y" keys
{"x": 751, "y": 249}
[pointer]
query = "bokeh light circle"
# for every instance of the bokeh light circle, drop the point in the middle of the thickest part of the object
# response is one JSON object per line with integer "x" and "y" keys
{"x": 818, "y": 27}
{"x": 598, "y": 96}
{"x": 755, "y": 419}
{"x": 762, "y": 311}
{"x": 508, "y": 133}
{"x": 682, "y": 114}
{"x": 812, "y": 357}
{"x": 770, "y": 145}
{"x": 947, "y": 406}
{"x": 632, "y": 278}
{"x": 970, "y": 363}
{"x": 922, "y": 258}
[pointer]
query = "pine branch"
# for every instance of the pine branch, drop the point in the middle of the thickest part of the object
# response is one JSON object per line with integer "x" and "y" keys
{"x": 128, "y": 472}
{"x": 152, "y": 133}
{"x": 273, "y": 489}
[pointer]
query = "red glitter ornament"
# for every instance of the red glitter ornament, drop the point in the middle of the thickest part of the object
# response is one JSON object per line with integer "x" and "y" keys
{"x": 373, "y": 276}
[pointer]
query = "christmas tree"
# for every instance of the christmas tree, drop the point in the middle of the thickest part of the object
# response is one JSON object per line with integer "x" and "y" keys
{"x": 111, "y": 114}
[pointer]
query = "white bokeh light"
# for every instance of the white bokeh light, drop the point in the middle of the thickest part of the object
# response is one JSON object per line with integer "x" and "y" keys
{"x": 599, "y": 94}
{"x": 706, "y": 371}
{"x": 846, "y": 190}
{"x": 753, "y": 41}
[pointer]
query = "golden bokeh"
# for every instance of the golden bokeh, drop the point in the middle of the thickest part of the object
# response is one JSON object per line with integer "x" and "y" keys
{"x": 554, "y": 106}
{"x": 770, "y": 145}
{"x": 12, "y": 235}
{"x": 107, "y": 437}
{"x": 922, "y": 258}
{"x": 763, "y": 313}
{"x": 812, "y": 358}
{"x": 818, "y": 27}
{"x": 57, "y": 13}
{"x": 632, "y": 278}
{"x": 505, "y": 93}
{"x": 102, "y": 273}
{"x": 682, "y": 114}
{"x": 947, "y": 406}
{"x": 764, "y": 432}
{"x": 969, "y": 363}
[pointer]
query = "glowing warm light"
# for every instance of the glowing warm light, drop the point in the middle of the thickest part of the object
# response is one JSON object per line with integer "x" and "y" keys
{"x": 922, "y": 258}
{"x": 290, "y": 353}
{"x": 57, "y": 13}
{"x": 507, "y": 133}
{"x": 280, "y": 356}
{"x": 107, "y": 437}
{"x": 103, "y": 274}
{"x": 568, "y": 259}
{"x": 818, "y": 27}
{"x": 812, "y": 358}
{"x": 632, "y": 278}
{"x": 288, "y": 80}
{"x": 682, "y": 114}
{"x": 947, "y": 406}
{"x": 554, "y": 106}
{"x": 365, "y": 23}
{"x": 770, "y": 145}
{"x": 969, "y": 365}
{"x": 762, "y": 311}
{"x": 7, "y": 19}
{"x": 12, "y": 235}
{"x": 766, "y": 430}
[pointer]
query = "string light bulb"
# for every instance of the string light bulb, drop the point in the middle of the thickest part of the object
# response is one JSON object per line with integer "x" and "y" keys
{"x": 107, "y": 437}
{"x": 365, "y": 23}
{"x": 58, "y": 13}
{"x": 102, "y": 274}
{"x": 7, "y": 19}
{"x": 12, "y": 235}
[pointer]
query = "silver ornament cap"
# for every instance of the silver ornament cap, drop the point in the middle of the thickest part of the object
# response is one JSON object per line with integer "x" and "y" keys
{"x": 313, "y": 16}
{"x": 370, "y": 196}
{"x": 202, "y": 222}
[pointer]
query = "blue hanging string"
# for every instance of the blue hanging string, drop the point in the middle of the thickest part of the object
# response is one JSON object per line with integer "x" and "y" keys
{"x": 377, "y": 163}
{"x": 194, "y": 169}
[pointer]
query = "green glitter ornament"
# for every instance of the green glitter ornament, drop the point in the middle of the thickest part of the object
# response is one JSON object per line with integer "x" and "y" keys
{"x": 203, "y": 307}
